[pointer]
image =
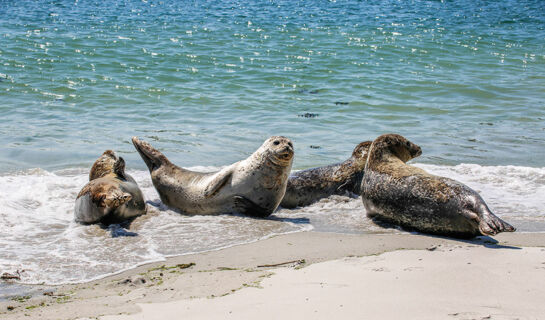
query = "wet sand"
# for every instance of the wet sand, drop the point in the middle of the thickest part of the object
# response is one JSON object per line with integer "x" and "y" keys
{"x": 318, "y": 275}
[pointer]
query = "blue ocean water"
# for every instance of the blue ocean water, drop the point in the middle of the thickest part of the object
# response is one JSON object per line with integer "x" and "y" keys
{"x": 207, "y": 82}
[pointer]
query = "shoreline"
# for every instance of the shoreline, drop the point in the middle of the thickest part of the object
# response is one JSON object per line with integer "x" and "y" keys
{"x": 226, "y": 271}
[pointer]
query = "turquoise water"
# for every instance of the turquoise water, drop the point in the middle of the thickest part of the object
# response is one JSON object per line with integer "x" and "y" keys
{"x": 207, "y": 82}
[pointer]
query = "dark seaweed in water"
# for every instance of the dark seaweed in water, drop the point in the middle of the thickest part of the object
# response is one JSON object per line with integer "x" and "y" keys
{"x": 308, "y": 115}
{"x": 309, "y": 91}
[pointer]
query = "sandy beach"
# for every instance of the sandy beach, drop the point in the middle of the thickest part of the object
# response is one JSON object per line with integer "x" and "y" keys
{"x": 318, "y": 275}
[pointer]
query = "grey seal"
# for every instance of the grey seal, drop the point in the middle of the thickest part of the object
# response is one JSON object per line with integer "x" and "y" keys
{"x": 308, "y": 186}
{"x": 396, "y": 192}
{"x": 253, "y": 186}
{"x": 111, "y": 195}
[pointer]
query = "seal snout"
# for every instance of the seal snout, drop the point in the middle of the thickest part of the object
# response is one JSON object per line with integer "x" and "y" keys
{"x": 416, "y": 152}
{"x": 286, "y": 151}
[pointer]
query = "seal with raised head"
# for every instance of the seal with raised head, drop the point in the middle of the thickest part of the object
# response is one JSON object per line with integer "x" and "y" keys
{"x": 111, "y": 195}
{"x": 308, "y": 186}
{"x": 253, "y": 186}
{"x": 398, "y": 193}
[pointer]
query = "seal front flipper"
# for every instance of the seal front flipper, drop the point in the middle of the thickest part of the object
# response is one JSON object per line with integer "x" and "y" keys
{"x": 217, "y": 183}
{"x": 250, "y": 208}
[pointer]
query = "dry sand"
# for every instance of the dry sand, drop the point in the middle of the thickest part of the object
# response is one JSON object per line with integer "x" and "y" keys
{"x": 371, "y": 276}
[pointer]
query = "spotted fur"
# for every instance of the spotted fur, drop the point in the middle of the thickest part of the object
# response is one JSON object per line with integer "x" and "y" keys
{"x": 308, "y": 186}
{"x": 396, "y": 192}
{"x": 253, "y": 186}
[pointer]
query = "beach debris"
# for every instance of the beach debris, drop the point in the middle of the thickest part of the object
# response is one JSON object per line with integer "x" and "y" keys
{"x": 10, "y": 308}
{"x": 21, "y": 299}
{"x": 340, "y": 103}
{"x": 315, "y": 147}
{"x": 308, "y": 115}
{"x": 226, "y": 269}
{"x": 11, "y": 276}
{"x": 185, "y": 265}
{"x": 295, "y": 262}
{"x": 134, "y": 281}
{"x": 53, "y": 294}
{"x": 432, "y": 248}
{"x": 179, "y": 266}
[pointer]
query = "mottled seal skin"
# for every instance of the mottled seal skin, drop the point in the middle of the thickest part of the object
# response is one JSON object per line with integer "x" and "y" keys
{"x": 253, "y": 186}
{"x": 111, "y": 195}
{"x": 401, "y": 194}
{"x": 308, "y": 186}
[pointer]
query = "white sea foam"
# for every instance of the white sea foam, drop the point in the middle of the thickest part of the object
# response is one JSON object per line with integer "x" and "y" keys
{"x": 40, "y": 237}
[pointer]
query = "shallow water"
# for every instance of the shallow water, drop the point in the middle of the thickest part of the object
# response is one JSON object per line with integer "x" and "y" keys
{"x": 40, "y": 236}
{"x": 208, "y": 82}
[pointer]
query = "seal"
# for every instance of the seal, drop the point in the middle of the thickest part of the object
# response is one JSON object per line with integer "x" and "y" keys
{"x": 253, "y": 186}
{"x": 308, "y": 186}
{"x": 395, "y": 192}
{"x": 111, "y": 195}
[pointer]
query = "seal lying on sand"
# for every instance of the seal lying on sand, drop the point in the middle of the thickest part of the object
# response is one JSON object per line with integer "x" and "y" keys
{"x": 308, "y": 186}
{"x": 253, "y": 186}
{"x": 111, "y": 195}
{"x": 410, "y": 197}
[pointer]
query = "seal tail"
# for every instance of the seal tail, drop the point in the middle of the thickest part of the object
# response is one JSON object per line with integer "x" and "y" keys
{"x": 491, "y": 225}
{"x": 151, "y": 156}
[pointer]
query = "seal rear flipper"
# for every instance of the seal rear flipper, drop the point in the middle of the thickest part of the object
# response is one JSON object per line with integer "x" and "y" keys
{"x": 250, "y": 208}
{"x": 119, "y": 168}
{"x": 492, "y": 225}
{"x": 488, "y": 223}
{"x": 151, "y": 156}
{"x": 217, "y": 183}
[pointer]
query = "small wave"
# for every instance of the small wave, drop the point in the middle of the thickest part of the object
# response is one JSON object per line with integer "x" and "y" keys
{"x": 510, "y": 191}
{"x": 40, "y": 237}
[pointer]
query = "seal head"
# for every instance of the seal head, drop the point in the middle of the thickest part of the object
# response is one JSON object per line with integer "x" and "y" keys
{"x": 398, "y": 193}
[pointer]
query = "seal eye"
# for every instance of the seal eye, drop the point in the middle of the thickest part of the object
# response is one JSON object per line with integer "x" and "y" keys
{"x": 289, "y": 144}
{"x": 408, "y": 144}
{"x": 276, "y": 142}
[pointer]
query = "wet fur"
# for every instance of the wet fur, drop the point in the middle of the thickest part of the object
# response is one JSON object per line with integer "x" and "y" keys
{"x": 111, "y": 195}
{"x": 308, "y": 186}
{"x": 401, "y": 194}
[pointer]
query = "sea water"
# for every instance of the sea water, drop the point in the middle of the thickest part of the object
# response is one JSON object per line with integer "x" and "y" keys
{"x": 208, "y": 82}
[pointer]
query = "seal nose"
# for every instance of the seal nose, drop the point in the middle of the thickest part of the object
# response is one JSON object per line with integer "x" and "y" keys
{"x": 287, "y": 151}
{"x": 417, "y": 152}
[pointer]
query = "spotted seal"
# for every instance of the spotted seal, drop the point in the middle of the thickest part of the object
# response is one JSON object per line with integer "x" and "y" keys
{"x": 111, "y": 195}
{"x": 253, "y": 186}
{"x": 395, "y": 192}
{"x": 308, "y": 186}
